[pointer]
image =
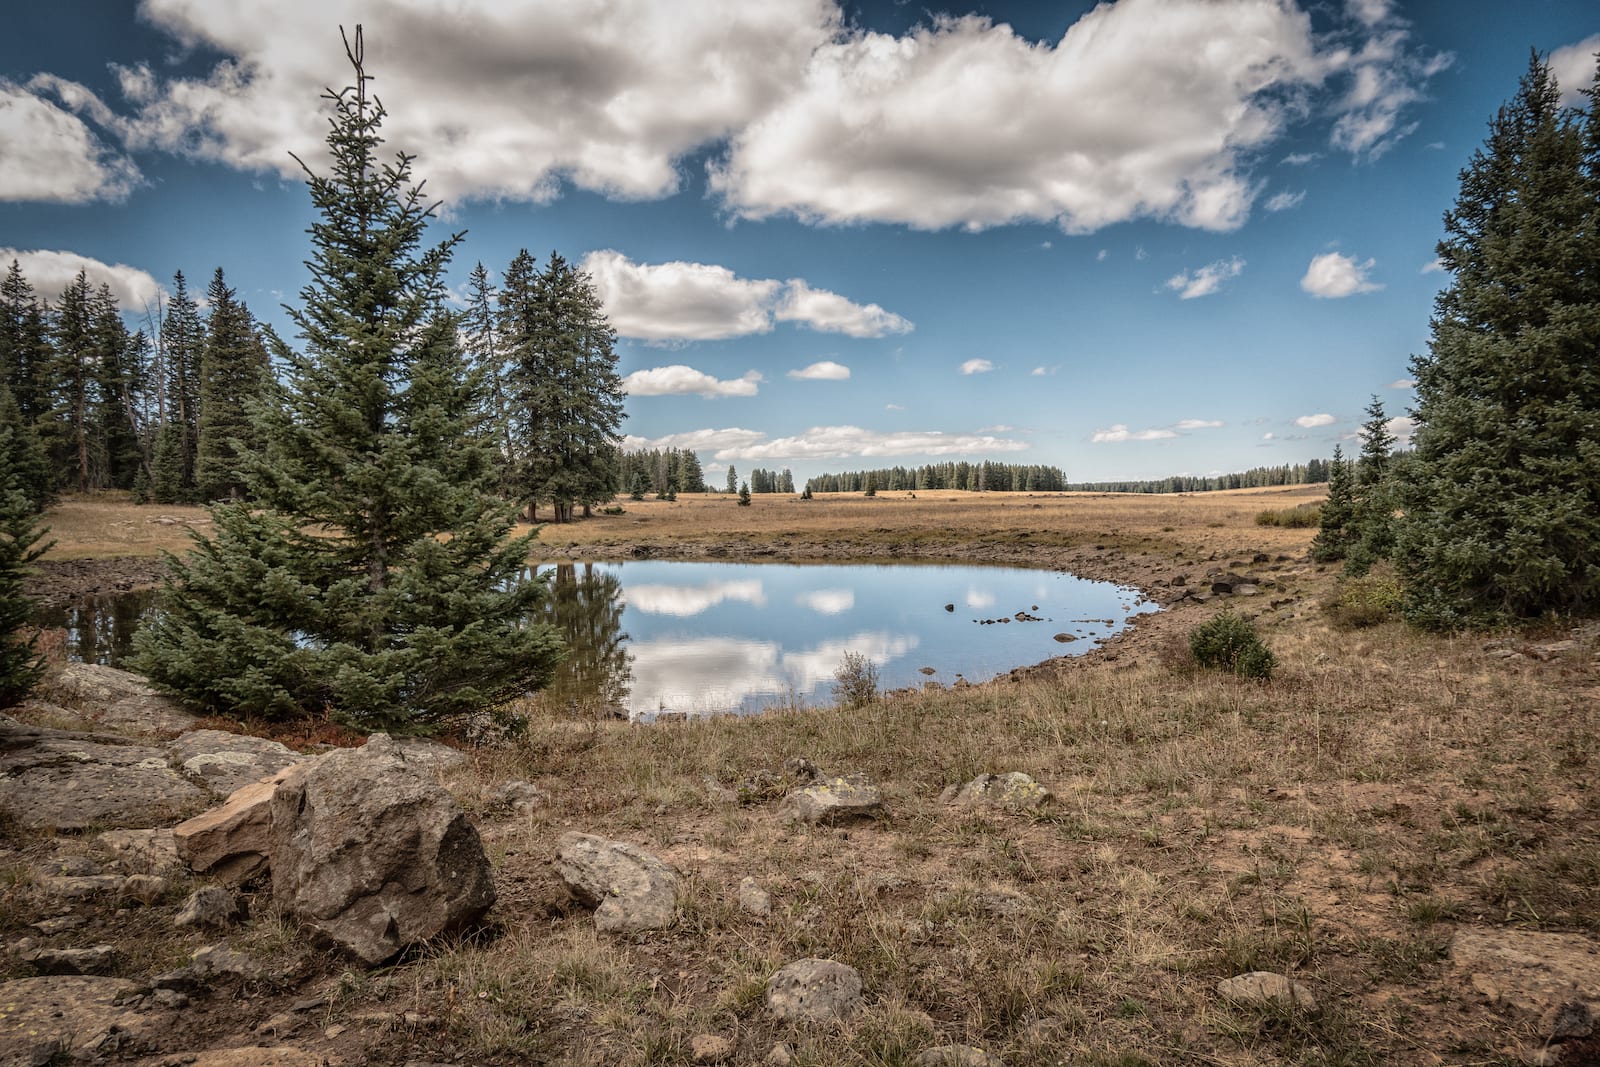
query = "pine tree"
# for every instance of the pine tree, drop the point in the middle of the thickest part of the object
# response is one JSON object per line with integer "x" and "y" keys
{"x": 118, "y": 389}
{"x": 1337, "y": 528}
{"x": 20, "y": 665}
{"x": 183, "y": 341}
{"x": 1501, "y": 499}
{"x": 733, "y": 479}
{"x": 74, "y": 370}
{"x": 1373, "y": 520}
{"x": 25, "y": 355}
{"x": 23, "y": 454}
{"x": 744, "y": 495}
{"x": 233, "y": 373}
{"x": 373, "y": 578}
{"x": 486, "y": 355}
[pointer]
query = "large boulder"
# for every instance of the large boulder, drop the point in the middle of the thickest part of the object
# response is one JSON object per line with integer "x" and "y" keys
{"x": 630, "y": 889}
{"x": 63, "y": 780}
{"x": 371, "y": 853}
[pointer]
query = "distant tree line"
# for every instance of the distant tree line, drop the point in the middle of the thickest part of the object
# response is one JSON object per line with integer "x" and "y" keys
{"x": 1308, "y": 473}
{"x": 666, "y": 472}
{"x": 977, "y": 477}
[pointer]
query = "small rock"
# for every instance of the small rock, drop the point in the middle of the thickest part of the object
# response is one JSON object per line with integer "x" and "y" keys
{"x": 226, "y": 762}
{"x": 59, "y": 925}
{"x": 753, "y": 899}
{"x": 1571, "y": 1020}
{"x": 782, "y": 1055}
{"x": 833, "y": 801}
{"x": 280, "y": 1024}
{"x": 73, "y": 867}
{"x": 212, "y": 906}
{"x": 170, "y": 999}
{"x": 1262, "y": 988}
{"x": 231, "y": 843}
{"x": 222, "y": 960}
{"x": 710, "y": 1048}
{"x": 1065, "y": 637}
{"x": 630, "y": 889}
{"x": 957, "y": 1056}
{"x": 145, "y": 888}
{"x": 101, "y": 959}
{"x": 800, "y": 768}
{"x": 1552, "y": 649}
{"x": 142, "y": 851}
{"x": 813, "y": 990}
{"x": 950, "y": 607}
{"x": 80, "y": 888}
{"x": 1011, "y": 790}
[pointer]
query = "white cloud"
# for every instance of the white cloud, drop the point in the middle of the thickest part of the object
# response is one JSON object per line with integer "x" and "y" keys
{"x": 680, "y": 302}
{"x": 1043, "y": 372}
{"x": 1269, "y": 436}
{"x": 977, "y": 366}
{"x": 829, "y": 442}
{"x": 1100, "y": 256}
{"x": 1119, "y": 433}
{"x": 1402, "y": 427}
{"x": 1370, "y": 12}
{"x": 1001, "y": 428}
{"x": 1199, "y": 424}
{"x": 832, "y": 313}
{"x": 828, "y": 601}
{"x": 1573, "y": 66}
{"x": 679, "y": 380}
{"x": 894, "y": 407}
{"x": 1206, "y": 280}
{"x": 1434, "y": 266}
{"x": 1300, "y": 159}
{"x": 1403, "y": 383}
{"x": 501, "y": 100}
{"x": 685, "y": 601}
{"x": 50, "y": 271}
{"x": 1285, "y": 200}
{"x": 1386, "y": 77}
{"x": 1333, "y": 275}
{"x": 825, "y": 371}
{"x": 1308, "y": 422}
{"x": 47, "y": 153}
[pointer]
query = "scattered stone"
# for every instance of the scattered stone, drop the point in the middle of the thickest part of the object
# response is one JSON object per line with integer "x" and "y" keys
{"x": 1264, "y": 988}
{"x": 950, "y": 607}
{"x": 118, "y": 700}
{"x": 101, "y": 959}
{"x": 80, "y": 888}
{"x": 59, "y": 925}
{"x": 833, "y": 801}
{"x": 928, "y": 670}
{"x": 801, "y": 769}
{"x": 169, "y": 998}
{"x": 222, "y": 960}
{"x": 231, "y": 843}
{"x": 182, "y": 980}
{"x": 753, "y": 899}
{"x": 309, "y": 1004}
{"x": 719, "y": 793}
{"x": 1066, "y": 637}
{"x": 60, "y": 780}
{"x": 710, "y": 1048}
{"x": 520, "y": 796}
{"x": 956, "y": 1056}
{"x": 280, "y": 1025}
{"x": 1539, "y": 973}
{"x": 73, "y": 867}
{"x": 226, "y": 762}
{"x": 1552, "y": 649}
{"x": 813, "y": 990}
{"x": 255, "y": 1056}
{"x": 147, "y": 889}
{"x": 142, "y": 851}
{"x": 212, "y": 906}
{"x": 781, "y": 1055}
{"x": 1570, "y": 1021}
{"x": 630, "y": 889}
{"x": 371, "y": 853}
{"x": 1010, "y": 790}
{"x": 45, "y": 1017}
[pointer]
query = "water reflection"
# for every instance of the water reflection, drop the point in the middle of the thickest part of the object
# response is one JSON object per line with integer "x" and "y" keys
{"x": 699, "y": 638}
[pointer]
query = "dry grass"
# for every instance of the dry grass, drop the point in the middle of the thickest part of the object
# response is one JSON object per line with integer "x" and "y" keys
{"x": 1337, "y": 823}
{"x": 110, "y": 526}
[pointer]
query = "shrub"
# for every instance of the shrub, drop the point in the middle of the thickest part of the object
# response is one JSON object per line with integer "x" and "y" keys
{"x": 1368, "y": 600}
{"x": 1230, "y": 643}
{"x": 855, "y": 683}
{"x": 1301, "y": 518}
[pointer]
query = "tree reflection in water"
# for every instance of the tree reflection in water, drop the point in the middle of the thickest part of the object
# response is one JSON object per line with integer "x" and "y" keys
{"x": 585, "y": 605}
{"x": 99, "y": 629}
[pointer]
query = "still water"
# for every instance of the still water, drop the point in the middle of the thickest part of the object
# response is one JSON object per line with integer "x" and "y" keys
{"x": 701, "y": 638}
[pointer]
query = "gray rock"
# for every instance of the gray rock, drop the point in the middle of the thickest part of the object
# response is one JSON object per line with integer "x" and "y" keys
{"x": 80, "y": 887}
{"x": 212, "y": 960}
{"x": 212, "y": 906}
{"x": 1010, "y": 790}
{"x": 225, "y": 761}
{"x": 435, "y": 756}
{"x": 521, "y": 796}
{"x": 44, "y": 1017}
{"x": 60, "y": 780}
{"x": 116, "y": 700}
{"x": 956, "y": 1056}
{"x": 832, "y": 801}
{"x": 1267, "y": 988}
{"x": 1530, "y": 970}
{"x": 753, "y": 899}
{"x": 100, "y": 959}
{"x": 630, "y": 889}
{"x": 145, "y": 888}
{"x": 814, "y": 991}
{"x": 370, "y": 852}
{"x": 142, "y": 851}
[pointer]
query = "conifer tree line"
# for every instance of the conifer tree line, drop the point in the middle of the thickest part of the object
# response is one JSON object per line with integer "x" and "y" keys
{"x": 978, "y": 477}
{"x": 1309, "y": 473}
{"x": 1494, "y": 516}
{"x": 665, "y": 472}
{"x": 765, "y": 481}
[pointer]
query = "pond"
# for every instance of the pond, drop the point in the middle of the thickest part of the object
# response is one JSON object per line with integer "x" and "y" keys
{"x": 659, "y": 636}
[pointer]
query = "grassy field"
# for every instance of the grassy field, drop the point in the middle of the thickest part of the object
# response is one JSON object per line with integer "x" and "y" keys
{"x": 1384, "y": 793}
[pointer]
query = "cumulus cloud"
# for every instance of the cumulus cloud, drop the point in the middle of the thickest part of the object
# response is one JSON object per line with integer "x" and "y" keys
{"x": 1573, "y": 66}
{"x": 1300, "y": 159}
{"x": 825, "y": 371}
{"x": 1285, "y": 200}
{"x": 1308, "y": 422}
{"x": 49, "y": 154}
{"x": 1433, "y": 266}
{"x": 1206, "y": 280}
{"x": 1120, "y": 433}
{"x": 679, "y": 380}
{"x": 680, "y": 302}
{"x": 828, "y": 442}
{"x": 977, "y": 366}
{"x": 1334, "y": 275}
{"x": 1386, "y": 77}
{"x": 50, "y": 271}
{"x": 1403, "y": 383}
{"x": 1199, "y": 424}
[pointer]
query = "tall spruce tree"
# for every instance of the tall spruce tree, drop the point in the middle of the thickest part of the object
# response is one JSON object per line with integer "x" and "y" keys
{"x": 20, "y": 664}
{"x": 233, "y": 373}
{"x": 1337, "y": 527}
{"x": 1501, "y": 500}
{"x": 183, "y": 341}
{"x": 374, "y": 579}
{"x": 1374, "y": 495}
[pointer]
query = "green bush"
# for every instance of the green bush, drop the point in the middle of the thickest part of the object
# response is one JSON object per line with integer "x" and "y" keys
{"x": 1301, "y": 518}
{"x": 1228, "y": 642}
{"x": 1368, "y": 600}
{"x": 855, "y": 683}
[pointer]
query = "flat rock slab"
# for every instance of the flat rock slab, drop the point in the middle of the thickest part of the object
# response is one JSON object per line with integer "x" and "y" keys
{"x": 630, "y": 889}
{"x": 41, "y": 1017}
{"x": 833, "y": 801}
{"x": 226, "y": 762}
{"x": 1267, "y": 989}
{"x": 814, "y": 991}
{"x": 142, "y": 851}
{"x": 57, "y": 779}
{"x": 116, "y": 700}
{"x": 1535, "y": 972}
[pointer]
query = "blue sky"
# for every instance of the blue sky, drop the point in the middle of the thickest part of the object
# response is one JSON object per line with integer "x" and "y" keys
{"x": 1141, "y": 239}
